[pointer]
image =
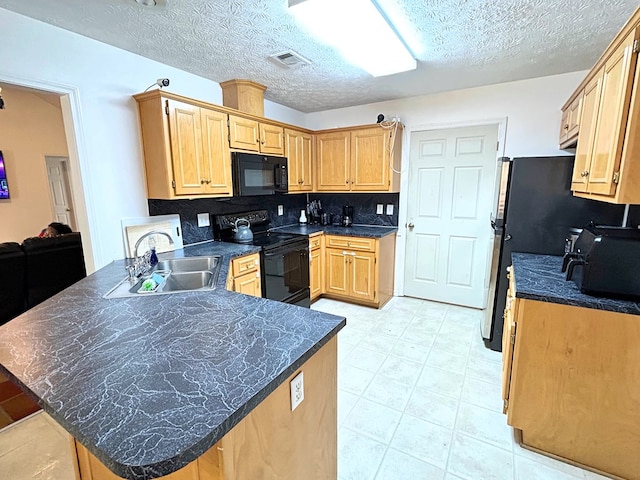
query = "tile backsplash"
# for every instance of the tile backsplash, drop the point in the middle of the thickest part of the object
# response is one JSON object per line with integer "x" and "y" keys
{"x": 364, "y": 207}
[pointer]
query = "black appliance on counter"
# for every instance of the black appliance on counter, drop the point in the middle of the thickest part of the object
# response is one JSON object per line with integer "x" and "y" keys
{"x": 535, "y": 213}
{"x": 284, "y": 257}
{"x": 255, "y": 174}
{"x": 605, "y": 262}
{"x": 347, "y": 216}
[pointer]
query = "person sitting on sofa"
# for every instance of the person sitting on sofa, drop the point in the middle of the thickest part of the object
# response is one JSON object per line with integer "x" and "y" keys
{"x": 54, "y": 229}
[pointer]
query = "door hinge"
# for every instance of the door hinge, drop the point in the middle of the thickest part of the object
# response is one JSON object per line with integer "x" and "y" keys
{"x": 173, "y": 183}
{"x": 636, "y": 46}
{"x": 374, "y": 294}
{"x": 505, "y": 404}
{"x": 375, "y": 260}
{"x": 498, "y": 145}
{"x": 166, "y": 109}
{"x": 616, "y": 175}
{"x": 513, "y": 339}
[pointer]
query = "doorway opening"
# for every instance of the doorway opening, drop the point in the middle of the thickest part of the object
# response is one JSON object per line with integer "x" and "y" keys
{"x": 60, "y": 190}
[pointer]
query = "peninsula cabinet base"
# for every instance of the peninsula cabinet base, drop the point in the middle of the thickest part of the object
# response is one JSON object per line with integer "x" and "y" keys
{"x": 271, "y": 442}
{"x": 518, "y": 436}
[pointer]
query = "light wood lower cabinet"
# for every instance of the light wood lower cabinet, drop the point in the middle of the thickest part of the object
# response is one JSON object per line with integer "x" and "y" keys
{"x": 271, "y": 441}
{"x": 244, "y": 275}
{"x": 316, "y": 266}
{"x": 359, "y": 269}
{"x": 571, "y": 383}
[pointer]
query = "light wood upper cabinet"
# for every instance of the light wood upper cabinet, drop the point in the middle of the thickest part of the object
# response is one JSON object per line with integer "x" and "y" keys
{"x": 299, "y": 153}
{"x": 370, "y": 160}
{"x": 247, "y": 134}
{"x": 185, "y": 149}
{"x": 333, "y": 161}
{"x": 584, "y": 149}
{"x": 271, "y": 139}
{"x": 358, "y": 159}
{"x": 570, "y": 124}
{"x": 607, "y": 164}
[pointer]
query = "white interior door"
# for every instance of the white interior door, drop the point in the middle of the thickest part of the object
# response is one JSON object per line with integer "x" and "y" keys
{"x": 451, "y": 183}
{"x": 60, "y": 187}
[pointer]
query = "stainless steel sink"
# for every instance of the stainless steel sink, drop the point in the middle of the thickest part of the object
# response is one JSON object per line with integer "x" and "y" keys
{"x": 180, "y": 275}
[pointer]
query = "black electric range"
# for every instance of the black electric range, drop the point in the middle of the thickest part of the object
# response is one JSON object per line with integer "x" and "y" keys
{"x": 284, "y": 257}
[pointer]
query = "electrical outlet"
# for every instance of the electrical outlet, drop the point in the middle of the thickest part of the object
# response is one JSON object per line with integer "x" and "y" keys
{"x": 297, "y": 390}
{"x": 379, "y": 209}
{"x": 280, "y": 210}
{"x": 389, "y": 208}
{"x": 203, "y": 220}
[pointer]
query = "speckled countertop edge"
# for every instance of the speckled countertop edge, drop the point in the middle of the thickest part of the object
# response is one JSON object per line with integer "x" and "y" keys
{"x": 538, "y": 277}
{"x": 84, "y": 310}
{"x": 370, "y": 231}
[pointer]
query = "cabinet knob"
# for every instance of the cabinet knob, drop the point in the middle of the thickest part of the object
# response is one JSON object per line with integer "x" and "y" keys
{"x": 566, "y": 126}
{"x": 202, "y": 181}
{"x": 347, "y": 182}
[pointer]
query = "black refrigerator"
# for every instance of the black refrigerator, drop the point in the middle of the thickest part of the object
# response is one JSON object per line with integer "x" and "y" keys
{"x": 534, "y": 213}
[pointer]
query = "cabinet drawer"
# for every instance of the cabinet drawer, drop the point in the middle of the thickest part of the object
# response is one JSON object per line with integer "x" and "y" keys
{"x": 246, "y": 264}
{"x": 353, "y": 243}
{"x": 314, "y": 243}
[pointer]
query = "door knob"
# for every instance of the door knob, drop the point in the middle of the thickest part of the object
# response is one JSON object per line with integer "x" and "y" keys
{"x": 411, "y": 225}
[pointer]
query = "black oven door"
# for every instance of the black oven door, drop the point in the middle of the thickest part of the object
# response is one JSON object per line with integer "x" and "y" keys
{"x": 285, "y": 273}
{"x": 259, "y": 174}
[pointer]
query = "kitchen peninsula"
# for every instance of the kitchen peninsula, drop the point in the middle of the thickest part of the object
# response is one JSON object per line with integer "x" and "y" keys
{"x": 195, "y": 383}
{"x": 571, "y": 369}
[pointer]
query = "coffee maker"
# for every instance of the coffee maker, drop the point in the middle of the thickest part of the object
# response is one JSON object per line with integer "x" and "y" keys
{"x": 347, "y": 216}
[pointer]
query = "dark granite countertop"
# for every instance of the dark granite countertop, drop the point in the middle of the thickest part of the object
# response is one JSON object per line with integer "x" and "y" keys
{"x": 149, "y": 383}
{"x": 538, "y": 277}
{"x": 370, "y": 231}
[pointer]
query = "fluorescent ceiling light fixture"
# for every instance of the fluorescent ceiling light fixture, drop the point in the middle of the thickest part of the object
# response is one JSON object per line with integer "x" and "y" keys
{"x": 358, "y": 30}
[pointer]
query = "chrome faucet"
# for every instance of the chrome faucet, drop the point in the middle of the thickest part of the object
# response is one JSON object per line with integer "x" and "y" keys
{"x": 141, "y": 264}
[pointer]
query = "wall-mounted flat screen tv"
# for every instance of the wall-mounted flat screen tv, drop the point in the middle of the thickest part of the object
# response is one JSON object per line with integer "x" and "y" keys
{"x": 4, "y": 186}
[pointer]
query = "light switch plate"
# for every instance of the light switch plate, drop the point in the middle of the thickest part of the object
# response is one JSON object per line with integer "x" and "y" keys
{"x": 297, "y": 390}
{"x": 203, "y": 220}
{"x": 280, "y": 210}
{"x": 379, "y": 209}
{"x": 389, "y": 208}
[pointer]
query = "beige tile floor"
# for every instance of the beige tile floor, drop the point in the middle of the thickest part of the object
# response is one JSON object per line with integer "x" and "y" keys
{"x": 419, "y": 399}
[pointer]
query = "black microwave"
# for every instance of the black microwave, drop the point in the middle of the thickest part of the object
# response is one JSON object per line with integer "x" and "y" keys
{"x": 255, "y": 174}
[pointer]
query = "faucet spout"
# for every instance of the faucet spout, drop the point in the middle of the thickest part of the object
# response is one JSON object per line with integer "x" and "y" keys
{"x": 148, "y": 234}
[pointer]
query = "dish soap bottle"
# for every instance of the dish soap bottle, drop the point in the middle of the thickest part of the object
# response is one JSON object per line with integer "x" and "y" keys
{"x": 303, "y": 218}
{"x": 154, "y": 257}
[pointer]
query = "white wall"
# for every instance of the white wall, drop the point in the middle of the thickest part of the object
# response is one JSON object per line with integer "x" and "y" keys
{"x": 105, "y": 78}
{"x": 532, "y": 108}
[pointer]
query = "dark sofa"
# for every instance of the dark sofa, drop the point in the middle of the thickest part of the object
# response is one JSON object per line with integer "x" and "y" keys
{"x": 37, "y": 270}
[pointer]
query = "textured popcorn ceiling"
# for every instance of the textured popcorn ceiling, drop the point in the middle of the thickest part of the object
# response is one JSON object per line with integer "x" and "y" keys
{"x": 458, "y": 43}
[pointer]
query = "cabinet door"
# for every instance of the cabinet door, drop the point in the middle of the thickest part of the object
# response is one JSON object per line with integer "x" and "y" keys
{"x": 249, "y": 284}
{"x": 617, "y": 81}
{"x": 186, "y": 148}
{"x": 271, "y": 139}
{"x": 362, "y": 275}
{"x": 216, "y": 159}
{"x": 573, "y": 121}
{"x": 369, "y": 160}
{"x": 305, "y": 160}
{"x": 243, "y": 133}
{"x": 588, "y": 119}
{"x": 292, "y": 152}
{"x": 336, "y": 272}
{"x": 315, "y": 272}
{"x": 332, "y": 161}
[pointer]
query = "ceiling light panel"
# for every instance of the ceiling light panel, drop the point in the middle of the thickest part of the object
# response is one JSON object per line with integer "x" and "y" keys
{"x": 358, "y": 30}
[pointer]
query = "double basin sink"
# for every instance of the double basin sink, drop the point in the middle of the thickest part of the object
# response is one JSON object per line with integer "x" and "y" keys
{"x": 173, "y": 276}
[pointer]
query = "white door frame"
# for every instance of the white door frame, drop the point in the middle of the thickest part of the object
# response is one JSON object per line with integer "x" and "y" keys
{"x": 82, "y": 197}
{"x": 401, "y": 242}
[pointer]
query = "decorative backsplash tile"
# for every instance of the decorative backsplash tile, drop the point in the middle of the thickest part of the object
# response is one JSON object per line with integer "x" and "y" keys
{"x": 364, "y": 208}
